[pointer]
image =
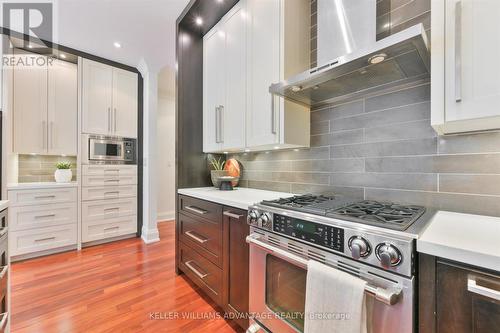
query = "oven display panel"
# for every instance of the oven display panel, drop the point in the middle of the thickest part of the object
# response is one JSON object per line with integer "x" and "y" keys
{"x": 315, "y": 233}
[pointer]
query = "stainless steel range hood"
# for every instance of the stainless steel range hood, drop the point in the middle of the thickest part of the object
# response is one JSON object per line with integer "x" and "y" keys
{"x": 404, "y": 58}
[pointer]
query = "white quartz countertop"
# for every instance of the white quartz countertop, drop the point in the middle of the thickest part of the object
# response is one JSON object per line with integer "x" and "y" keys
{"x": 466, "y": 238}
{"x": 4, "y": 204}
{"x": 41, "y": 185}
{"x": 239, "y": 197}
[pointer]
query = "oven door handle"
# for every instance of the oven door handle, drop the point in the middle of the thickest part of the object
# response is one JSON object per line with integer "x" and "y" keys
{"x": 388, "y": 296}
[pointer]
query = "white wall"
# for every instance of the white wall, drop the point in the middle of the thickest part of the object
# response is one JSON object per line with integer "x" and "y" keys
{"x": 166, "y": 144}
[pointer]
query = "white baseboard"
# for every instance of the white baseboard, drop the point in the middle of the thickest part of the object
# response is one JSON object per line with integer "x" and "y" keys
{"x": 165, "y": 216}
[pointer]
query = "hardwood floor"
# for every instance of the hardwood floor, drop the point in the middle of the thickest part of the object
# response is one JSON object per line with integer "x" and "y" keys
{"x": 125, "y": 286}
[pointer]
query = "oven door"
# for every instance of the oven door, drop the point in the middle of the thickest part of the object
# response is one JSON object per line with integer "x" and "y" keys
{"x": 278, "y": 290}
{"x": 106, "y": 150}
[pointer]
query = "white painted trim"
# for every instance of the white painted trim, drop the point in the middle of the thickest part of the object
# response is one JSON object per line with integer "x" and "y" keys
{"x": 165, "y": 216}
{"x": 150, "y": 235}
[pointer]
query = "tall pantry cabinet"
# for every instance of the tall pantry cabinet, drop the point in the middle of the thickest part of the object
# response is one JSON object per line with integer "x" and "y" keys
{"x": 45, "y": 108}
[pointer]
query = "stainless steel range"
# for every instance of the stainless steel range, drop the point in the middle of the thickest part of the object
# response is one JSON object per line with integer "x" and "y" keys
{"x": 372, "y": 240}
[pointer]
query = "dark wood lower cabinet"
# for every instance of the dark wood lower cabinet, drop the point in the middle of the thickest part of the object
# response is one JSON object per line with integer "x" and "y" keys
{"x": 463, "y": 299}
{"x": 236, "y": 268}
{"x": 212, "y": 251}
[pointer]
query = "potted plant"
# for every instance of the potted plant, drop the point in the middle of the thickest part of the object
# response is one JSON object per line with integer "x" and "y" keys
{"x": 218, "y": 170}
{"x": 63, "y": 173}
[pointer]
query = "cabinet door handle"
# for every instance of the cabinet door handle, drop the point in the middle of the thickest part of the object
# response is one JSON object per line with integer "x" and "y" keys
{"x": 109, "y": 119}
{"x": 195, "y": 210}
{"x": 44, "y": 216}
{"x": 196, "y": 238}
{"x": 233, "y": 215}
{"x": 44, "y": 134}
{"x": 221, "y": 123}
{"x": 114, "y": 120}
{"x": 473, "y": 287}
{"x": 273, "y": 116}
{"x": 458, "y": 51}
{"x": 194, "y": 270}
{"x": 44, "y": 239}
{"x": 45, "y": 197}
{"x": 216, "y": 124}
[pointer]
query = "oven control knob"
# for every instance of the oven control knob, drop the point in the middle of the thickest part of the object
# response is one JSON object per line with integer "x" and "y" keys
{"x": 265, "y": 221}
{"x": 359, "y": 247}
{"x": 388, "y": 255}
{"x": 253, "y": 216}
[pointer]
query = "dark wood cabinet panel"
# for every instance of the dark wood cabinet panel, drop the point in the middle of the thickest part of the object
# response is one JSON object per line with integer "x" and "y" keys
{"x": 465, "y": 301}
{"x": 200, "y": 208}
{"x": 236, "y": 268}
{"x": 203, "y": 235}
{"x": 202, "y": 272}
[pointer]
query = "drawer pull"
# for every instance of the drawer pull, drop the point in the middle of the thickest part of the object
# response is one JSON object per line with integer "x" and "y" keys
{"x": 196, "y": 210}
{"x": 233, "y": 215}
{"x": 473, "y": 287}
{"x": 45, "y": 197}
{"x": 112, "y": 170}
{"x": 44, "y": 216}
{"x": 112, "y": 193}
{"x": 195, "y": 271}
{"x": 111, "y": 209}
{"x": 111, "y": 228}
{"x": 3, "y": 231}
{"x": 196, "y": 238}
{"x": 111, "y": 180}
{"x": 3, "y": 321}
{"x": 3, "y": 271}
{"x": 44, "y": 239}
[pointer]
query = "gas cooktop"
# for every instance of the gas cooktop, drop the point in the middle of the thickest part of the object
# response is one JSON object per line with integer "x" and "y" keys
{"x": 384, "y": 214}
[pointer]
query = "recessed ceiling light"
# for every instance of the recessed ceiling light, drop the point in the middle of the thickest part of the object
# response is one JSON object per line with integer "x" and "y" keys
{"x": 277, "y": 147}
{"x": 117, "y": 45}
{"x": 220, "y": 1}
{"x": 198, "y": 20}
{"x": 377, "y": 58}
{"x": 30, "y": 46}
{"x": 62, "y": 55}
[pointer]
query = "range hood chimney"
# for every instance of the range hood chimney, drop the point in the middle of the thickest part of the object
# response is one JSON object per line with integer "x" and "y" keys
{"x": 350, "y": 60}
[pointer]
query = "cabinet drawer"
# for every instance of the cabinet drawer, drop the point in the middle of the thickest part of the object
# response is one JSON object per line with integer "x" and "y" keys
{"x": 97, "y": 230}
{"x": 202, "y": 208}
{"x": 109, "y": 170}
{"x": 109, "y": 192}
{"x": 201, "y": 271}
{"x": 29, "y": 217}
{"x": 90, "y": 180}
{"x": 108, "y": 209}
{"x": 203, "y": 235}
{"x": 28, "y": 241}
{"x": 42, "y": 196}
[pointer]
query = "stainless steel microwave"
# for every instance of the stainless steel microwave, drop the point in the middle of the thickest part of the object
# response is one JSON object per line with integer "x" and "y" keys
{"x": 101, "y": 149}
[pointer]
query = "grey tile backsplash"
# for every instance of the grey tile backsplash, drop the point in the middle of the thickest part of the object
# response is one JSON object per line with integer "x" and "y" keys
{"x": 384, "y": 148}
{"x": 41, "y": 168}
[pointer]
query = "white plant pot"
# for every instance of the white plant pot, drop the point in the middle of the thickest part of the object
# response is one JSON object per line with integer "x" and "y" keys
{"x": 63, "y": 175}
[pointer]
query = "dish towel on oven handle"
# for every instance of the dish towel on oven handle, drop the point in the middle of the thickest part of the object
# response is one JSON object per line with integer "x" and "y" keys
{"x": 335, "y": 301}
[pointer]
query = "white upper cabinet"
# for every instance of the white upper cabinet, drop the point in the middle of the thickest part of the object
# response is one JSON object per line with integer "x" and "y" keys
{"x": 279, "y": 46}
{"x": 465, "y": 53}
{"x": 125, "y": 92}
{"x": 213, "y": 92}
{"x": 224, "y": 83}
{"x": 109, "y": 100}
{"x": 45, "y": 109}
{"x": 62, "y": 108}
{"x": 255, "y": 44}
{"x": 30, "y": 109}
{"x": 97, "y": 97}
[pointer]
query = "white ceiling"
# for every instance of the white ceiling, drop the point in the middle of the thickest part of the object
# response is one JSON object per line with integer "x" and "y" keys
{"x": 145, "y": 29}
